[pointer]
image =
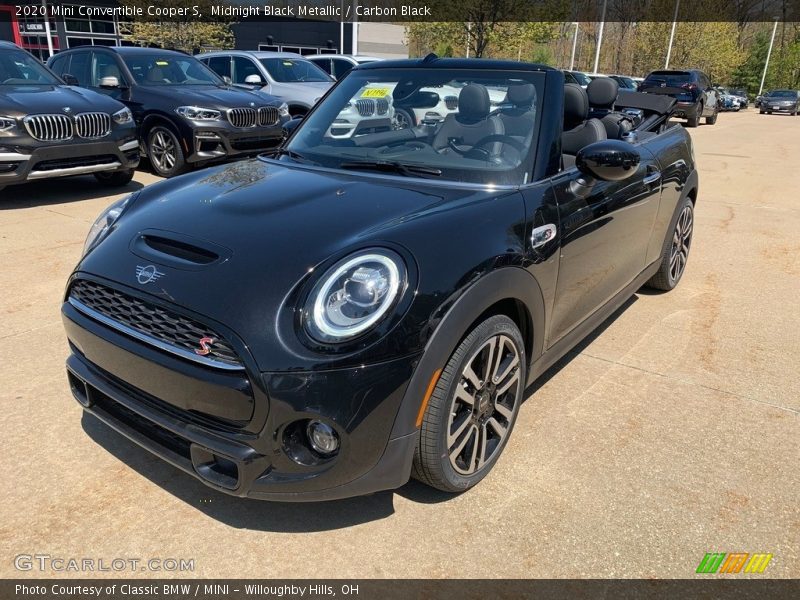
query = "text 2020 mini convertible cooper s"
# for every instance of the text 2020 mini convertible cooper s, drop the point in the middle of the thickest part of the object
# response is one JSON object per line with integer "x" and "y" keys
{"x": 331, "y": 319}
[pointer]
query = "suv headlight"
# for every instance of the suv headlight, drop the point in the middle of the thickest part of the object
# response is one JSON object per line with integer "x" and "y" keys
{"x": 104, "y": 223}
{"x": 197, "y": 113}
{"x": 283, "y": 110}
{"x": 123, "y": 116}
{"x": 7, "y": 123}
{"x": 354, "y": 295}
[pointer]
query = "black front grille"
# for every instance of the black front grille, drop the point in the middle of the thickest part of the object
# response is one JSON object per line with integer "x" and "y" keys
{"x": 268, "y": 115}
{"x": 451, "y": 102}
{"x": 255, "y": 143}
{"x": 71, "y": 163}
{"x": 163, "y": 326}
{"x": 243, "y": 117}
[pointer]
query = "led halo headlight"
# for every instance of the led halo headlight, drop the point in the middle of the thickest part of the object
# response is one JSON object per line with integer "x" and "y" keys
{"x": 198, "y": 113}
{"x": 7, "y": 123}
{"x": 283, "y": 110}
{"x": 105, "y": 222}
{"x": 123, "y": 116}
{"x": 354, "y": 295}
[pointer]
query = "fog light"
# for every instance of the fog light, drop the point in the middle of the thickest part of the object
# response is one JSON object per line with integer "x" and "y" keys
{"x": 322, "y": 437}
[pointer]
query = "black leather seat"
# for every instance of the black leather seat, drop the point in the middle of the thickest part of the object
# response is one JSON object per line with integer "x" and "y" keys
{"x": 461, "y": 131}
{"x": 519, "y": 118}
{"x": 603, "y": 92}
{"x": 579, "y": 129}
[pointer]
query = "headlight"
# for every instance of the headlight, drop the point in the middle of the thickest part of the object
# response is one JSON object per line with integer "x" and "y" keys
{"x": 354, "y": 295}
{"x": 7, "y": 123}
{"x": 283, "y": 110}
{"x": 123, "y": 116}
{"x": 196, "y": 113}
{"x": 105, "y": 222}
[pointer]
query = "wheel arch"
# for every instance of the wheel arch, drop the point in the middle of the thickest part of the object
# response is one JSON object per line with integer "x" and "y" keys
{"x": 511, "y": 291}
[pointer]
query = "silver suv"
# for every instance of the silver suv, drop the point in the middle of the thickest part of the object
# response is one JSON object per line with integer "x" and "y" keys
{"x": 288, "y": 76}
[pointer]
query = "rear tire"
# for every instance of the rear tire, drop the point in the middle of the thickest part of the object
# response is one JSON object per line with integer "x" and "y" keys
{"x": 473, "y": 408}
{"x": 675, "y": 251}
{"x": 165, "y": 152}
{"x": 712, "y": 119}
{"x": 693, "y": 121}
{"x": 115, "y": 178}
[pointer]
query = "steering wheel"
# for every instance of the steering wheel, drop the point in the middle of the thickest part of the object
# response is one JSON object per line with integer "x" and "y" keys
{"x": 503, "y": 139}
{"x": 478, "y": 152}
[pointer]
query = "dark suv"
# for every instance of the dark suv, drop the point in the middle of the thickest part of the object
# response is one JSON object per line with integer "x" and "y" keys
{"x": 692, "y": 89}
{"x": 49, "y": 129}
{"x": 185, "y": 112}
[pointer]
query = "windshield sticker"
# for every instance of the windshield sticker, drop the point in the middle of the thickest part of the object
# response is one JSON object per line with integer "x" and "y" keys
{"x": 375, "y": 93}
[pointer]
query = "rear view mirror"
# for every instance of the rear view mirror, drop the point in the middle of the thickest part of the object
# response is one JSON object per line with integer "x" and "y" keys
{"x": 70, "y": 79}
{"x": 109, "y": 82}
{"x": 254, "y": 80}
{"x": 609, "y": 160}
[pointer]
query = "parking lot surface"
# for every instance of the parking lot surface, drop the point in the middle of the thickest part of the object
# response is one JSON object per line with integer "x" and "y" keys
{"x": 672, "y": 432}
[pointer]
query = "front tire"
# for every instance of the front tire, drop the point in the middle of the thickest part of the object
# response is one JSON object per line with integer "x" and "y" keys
{"x": 403, "y": 119}
{"x": 473, "y": 408}
{"x": 115, "y": 178}
{"x": 712, "y": 119}
{"x": 165, "y": 152}
{"x": 675, "y": 252}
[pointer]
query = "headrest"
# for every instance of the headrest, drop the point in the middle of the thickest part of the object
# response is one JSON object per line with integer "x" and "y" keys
{"x": 521, "y": 95}
{"x": 576, "y": 103}
{"x": 473, "y": 102}
{"x": 603, "y": 92}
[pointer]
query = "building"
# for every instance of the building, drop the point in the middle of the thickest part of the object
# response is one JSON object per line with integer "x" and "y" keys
{"x": 304, "y": 36}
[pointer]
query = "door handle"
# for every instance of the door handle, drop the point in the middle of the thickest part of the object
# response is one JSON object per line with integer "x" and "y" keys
{"x": 541, "y": 235}
{"x": 652, "y": 178}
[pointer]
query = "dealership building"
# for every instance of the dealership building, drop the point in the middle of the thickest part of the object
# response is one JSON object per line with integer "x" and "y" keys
{"x": 68, "y": 29}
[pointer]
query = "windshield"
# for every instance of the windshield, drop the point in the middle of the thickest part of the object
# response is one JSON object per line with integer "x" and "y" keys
{"x": 292, "y": 70}
{"x": 670, "y": 78}
{"x": 782, "y": 94}
{"x": 20, "y": 68}
{"x": 476, "y": 126}
{"x": 168, "y": 70}
{"x": 582, "y": 78}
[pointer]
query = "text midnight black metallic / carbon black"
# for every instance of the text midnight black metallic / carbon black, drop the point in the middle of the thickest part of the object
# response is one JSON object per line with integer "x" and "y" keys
{"x": 331, "y": 320}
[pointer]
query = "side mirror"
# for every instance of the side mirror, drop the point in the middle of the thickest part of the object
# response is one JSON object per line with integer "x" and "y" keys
{"x": 70, "y": 79}
{"x": 609, "y": 160}
{"x": 227, "y": 80}
{"x": 290, "y": 126}
{"x": 109, "y": 82}
{"x": 254, "y": 80}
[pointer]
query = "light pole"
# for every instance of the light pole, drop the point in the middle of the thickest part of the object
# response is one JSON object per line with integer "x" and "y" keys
{"x": 600, "y": 38}
{"x": 672, "y": 34}
{"x": 769, "y": 53}
{"x": 50, "y": 38}
{"x": 574, "y": 46}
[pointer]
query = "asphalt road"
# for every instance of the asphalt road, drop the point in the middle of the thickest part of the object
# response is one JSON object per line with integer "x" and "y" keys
{"x": 674, "y": 431}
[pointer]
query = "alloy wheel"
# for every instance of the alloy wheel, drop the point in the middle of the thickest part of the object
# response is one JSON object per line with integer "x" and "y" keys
{"x": 681, "y": 242}
{"x": 483, "y": 405}
{"x": 163, "y": 150}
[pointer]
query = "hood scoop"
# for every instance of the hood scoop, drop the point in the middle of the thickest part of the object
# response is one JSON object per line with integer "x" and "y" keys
{"x": 177, "y": 250}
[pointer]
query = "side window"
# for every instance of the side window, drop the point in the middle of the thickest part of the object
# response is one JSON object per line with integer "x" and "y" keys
{"x": 340, "y": 67}
{"x": 59, "y": 65}
{"x": 324, "y": 64}
{"x": 79, "y": 68}
{"x": 104, "y": 65}
{"x": 221, "y": 65}
{"x": 243, "y": 68}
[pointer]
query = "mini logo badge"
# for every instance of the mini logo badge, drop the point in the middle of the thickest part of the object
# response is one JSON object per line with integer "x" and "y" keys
{"x": 145, "y": 275}
{"x": 205, "y": 346}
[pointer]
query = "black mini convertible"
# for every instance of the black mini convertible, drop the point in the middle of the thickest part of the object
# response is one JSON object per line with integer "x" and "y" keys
{"x": 342, "y": 314}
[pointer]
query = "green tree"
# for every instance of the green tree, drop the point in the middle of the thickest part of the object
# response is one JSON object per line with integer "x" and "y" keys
{"x": 181, "y": 34}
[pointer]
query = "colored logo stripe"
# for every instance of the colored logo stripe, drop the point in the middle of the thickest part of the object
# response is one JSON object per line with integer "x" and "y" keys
{"x": 757, "y": 563}
{"x": 732, "y": 563}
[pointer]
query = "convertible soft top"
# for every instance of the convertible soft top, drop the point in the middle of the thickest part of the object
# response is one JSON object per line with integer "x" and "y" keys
{"x": 650, "y": 102}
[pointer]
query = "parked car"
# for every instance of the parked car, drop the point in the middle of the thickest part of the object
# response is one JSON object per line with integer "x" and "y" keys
{"x": 288, "y": 76}
{"x": 726, "y": 100}
{"x": 625, "y": 83}
{"x": 741, "y": 96}
{"x": 696, "y": 98}
{"x": 780, "y": 101}
{"x": 337, "y": 65}
{"x": 327, "y": 321}
{"x": 186, "y": 115}
{"x": 579, "y": 77}
{"x": 49, "y": 129}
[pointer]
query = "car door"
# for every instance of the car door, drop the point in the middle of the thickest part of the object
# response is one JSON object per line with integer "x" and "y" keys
{"x": 243, "y": 68}
{"x": 102, "y": 65}
{"x": 79, "y": 67}
{"x": 604, "y": 232}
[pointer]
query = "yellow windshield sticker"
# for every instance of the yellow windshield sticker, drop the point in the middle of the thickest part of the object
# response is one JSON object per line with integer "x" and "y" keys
{"x": 162, "y": 63}
{"x": 288, "y": 63}
{"x": 375, "y": 93}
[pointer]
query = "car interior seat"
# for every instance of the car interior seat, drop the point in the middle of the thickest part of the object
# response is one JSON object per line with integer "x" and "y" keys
{"x": 579, "y": 129}
{"x": 520, "y": 117}
{"x": 461, "y": 131}
{"x": 603, "y": 92}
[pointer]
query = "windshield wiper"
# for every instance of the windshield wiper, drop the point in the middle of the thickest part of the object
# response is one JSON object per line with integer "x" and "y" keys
{"x": 392, "y": 166}
{"x": 291, "y": 154}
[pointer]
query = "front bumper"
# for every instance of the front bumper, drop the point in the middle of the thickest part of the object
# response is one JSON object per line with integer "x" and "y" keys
{"x": 787, "y": 108}
{"x": 219, "y": 139}
{"x": 20, "y": 163}
{"x": 125, "y": 382}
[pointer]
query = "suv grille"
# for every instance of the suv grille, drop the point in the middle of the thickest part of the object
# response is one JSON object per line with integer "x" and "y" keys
{"x": 367, "y": 106}
{"x": 243, "y": 117}
{"x": 451, "y": 102}
{"x": 268, "y": 115}
{"x": 50, "y": 128}
{"x": 93, "y": 125}
{"x": 162, "y": 328}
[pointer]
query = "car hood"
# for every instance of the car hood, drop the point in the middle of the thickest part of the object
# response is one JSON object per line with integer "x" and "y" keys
{"x": 21, "y": 100}
{"x": 210, "y": 96}
{"x": 273, "y": 228}
{"x": 305, "y": 92}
